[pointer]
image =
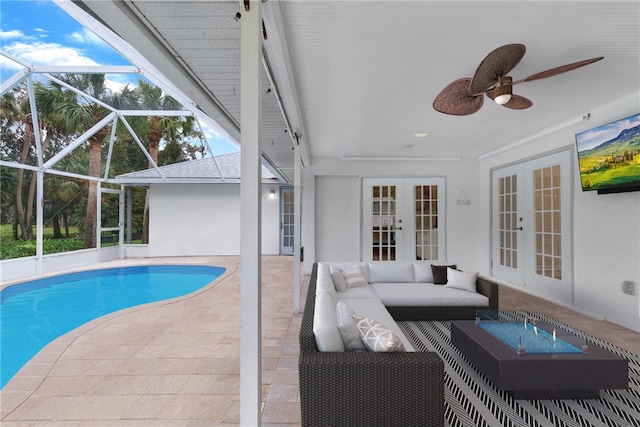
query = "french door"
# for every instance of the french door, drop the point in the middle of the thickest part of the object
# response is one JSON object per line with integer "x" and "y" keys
{"x": 286, "y": 220}
{"x": 531, "y": 225}
{"x": 403, "y": 219}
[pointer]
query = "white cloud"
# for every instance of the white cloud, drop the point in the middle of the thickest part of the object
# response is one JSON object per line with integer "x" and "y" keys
{"x": 42, "y": 33}
{"x": 84, "y": 36}
{"x": 7, "y": 64}
{"x": 41, "y": 53}
{"x": 12, "y": 34}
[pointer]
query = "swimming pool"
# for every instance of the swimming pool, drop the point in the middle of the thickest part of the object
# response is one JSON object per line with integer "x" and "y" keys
{"x": 32, "y": 314}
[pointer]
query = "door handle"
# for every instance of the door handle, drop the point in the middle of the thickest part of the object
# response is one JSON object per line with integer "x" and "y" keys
{"x": 518, "y": 228}
{"x": 398, "y": 228}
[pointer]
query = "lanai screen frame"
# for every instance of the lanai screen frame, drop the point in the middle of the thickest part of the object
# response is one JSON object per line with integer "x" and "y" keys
{"x": 29, "y": 72}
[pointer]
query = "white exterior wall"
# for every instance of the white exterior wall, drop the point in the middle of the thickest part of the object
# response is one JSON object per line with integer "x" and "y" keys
{"x": 339, "y": 201}
{"x": 606, "y": 228}
{"x": 204, "y": 219}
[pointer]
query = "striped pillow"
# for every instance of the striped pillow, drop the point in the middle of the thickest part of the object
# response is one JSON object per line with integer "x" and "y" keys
{"x": 353, "y": 277}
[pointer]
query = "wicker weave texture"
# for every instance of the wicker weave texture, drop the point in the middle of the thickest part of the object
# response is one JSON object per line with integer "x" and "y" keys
{"x": 366, "y": 389}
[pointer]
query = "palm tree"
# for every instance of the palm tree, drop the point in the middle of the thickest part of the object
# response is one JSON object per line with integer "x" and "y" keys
{"x": 76, "y": 114}
{"x": 16, "y": 113}
{"x": 159, "y": 127}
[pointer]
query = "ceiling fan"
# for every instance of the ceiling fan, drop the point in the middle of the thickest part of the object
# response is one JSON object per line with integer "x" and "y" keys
{"x": 465, "y": 96}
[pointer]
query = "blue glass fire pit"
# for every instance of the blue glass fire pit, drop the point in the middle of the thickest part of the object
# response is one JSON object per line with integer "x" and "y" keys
{"x": 526, "y": 335}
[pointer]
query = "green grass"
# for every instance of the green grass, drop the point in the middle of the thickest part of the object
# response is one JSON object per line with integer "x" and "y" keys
{"x": 6, "y": 232}
{"x": 626, "y": 175}
{"x": 10, "y": 248}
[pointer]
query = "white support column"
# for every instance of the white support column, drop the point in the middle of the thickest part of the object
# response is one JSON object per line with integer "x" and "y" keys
{"x": 297, "y": 202}
{"x": 250, "y": 217}
{"x": 121, "y": 219}
{"x": 309, "y": 215}
{"x": 39, "y": 219}
{"x": 98, "y": 230}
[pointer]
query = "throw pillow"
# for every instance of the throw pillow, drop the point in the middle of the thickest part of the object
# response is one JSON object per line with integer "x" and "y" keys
{"x": 461, "y": 280}
{"x": 348, "y": 328}
{"x": 353, "y": 277}
{"x": 440, "y": 273}
{"x": 377, "y": 337}
{"x": 338, "y": 279}
{"x": 422, "y": 272}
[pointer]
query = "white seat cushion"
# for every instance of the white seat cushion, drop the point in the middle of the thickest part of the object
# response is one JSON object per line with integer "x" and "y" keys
{"x": 357, "y": 292}
{"x": 426, "y": 294}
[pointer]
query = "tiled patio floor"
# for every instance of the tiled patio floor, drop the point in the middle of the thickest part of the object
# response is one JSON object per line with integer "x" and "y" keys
{"x": 176, "y": 363}
{"x": 165, "y": 364}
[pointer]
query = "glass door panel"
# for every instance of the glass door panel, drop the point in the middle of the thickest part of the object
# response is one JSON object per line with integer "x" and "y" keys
{"x": 403, "y": 219}
{"x": 426, "y": 222}
{"x": 383, "y": 220}
{"x": 531, "y": 211}
{"x": 286, "y": 221}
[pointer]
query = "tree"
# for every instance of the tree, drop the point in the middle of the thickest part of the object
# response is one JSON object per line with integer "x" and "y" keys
{"x": 159, "y": 127}
{"x": 79, "y": 115}
{"x": 17, "y": 120}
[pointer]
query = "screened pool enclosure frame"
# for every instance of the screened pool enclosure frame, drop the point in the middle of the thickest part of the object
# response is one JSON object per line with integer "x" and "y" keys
{"x": 28, "y": 74}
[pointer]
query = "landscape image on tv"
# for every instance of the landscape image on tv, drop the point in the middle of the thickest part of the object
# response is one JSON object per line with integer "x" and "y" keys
{"x": 609, "y": 155}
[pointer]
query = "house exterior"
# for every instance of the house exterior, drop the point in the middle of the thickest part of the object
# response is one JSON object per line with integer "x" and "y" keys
{"x": 195, "y": 209}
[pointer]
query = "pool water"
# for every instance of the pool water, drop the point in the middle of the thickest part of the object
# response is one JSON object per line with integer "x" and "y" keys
{"x": 534, "y": 340}
{"x": 32, "y": 314}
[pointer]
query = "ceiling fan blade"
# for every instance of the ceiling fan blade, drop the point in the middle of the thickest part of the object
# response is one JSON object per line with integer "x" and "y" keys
{"x": 496, "y": 64}
{"x": 457, "y": 100}
{"x": 559, "y": 70}
{"x": 516, "y": 102}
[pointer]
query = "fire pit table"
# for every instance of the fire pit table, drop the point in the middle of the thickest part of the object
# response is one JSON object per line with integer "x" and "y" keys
{"x": 534, "y": 359}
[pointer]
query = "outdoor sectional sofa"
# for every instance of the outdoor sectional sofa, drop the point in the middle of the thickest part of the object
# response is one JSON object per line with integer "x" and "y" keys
{"x": 339, "y": 387}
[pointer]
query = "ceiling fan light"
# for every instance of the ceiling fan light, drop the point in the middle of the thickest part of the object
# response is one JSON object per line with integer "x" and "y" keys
{"x": 502, "y": 99}
{"x": 503, "y": 90}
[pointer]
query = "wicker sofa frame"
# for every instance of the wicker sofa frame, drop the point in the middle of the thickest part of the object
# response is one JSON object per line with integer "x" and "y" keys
{"x": 366, "y": 389}
{"x": 376, "y": 389}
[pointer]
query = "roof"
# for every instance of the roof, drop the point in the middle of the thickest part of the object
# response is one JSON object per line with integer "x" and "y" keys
{"x": 219, "y": 169}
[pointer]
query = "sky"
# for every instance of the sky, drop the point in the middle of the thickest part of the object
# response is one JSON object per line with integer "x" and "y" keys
{"x": 592, "y": 138}
{"x": 41, "y": 33}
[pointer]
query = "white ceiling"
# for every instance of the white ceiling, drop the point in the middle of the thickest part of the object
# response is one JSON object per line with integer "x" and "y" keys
{"x": 359, "y": 77}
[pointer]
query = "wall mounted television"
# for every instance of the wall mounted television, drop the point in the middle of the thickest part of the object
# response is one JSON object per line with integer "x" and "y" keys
{"x": 609, "y": 156}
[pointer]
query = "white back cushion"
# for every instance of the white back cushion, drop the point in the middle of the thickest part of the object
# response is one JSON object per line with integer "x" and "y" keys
{"x": 324, "y": 282}
{"x": 325, "y": 328}
{"x": 422, "y": 271}
{"x": 348, "y": 328}
{"x": 391, "y": 272}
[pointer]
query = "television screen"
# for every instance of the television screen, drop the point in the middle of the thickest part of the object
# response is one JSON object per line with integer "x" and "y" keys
{"x": 609, "y": 156}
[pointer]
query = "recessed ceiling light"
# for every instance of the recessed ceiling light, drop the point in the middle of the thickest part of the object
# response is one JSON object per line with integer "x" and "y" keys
{"x": 422, "y": 134}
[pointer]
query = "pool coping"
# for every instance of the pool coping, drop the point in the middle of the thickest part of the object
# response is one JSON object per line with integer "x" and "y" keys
{"x": 31, "y": 376}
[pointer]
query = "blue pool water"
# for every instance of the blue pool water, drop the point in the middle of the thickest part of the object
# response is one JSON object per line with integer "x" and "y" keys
{"x": 32, "y": 314}
{"x": 533, "y": 340}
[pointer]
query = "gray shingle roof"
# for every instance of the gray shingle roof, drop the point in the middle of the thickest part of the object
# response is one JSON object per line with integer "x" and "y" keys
{"x": 201, "y": 169}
